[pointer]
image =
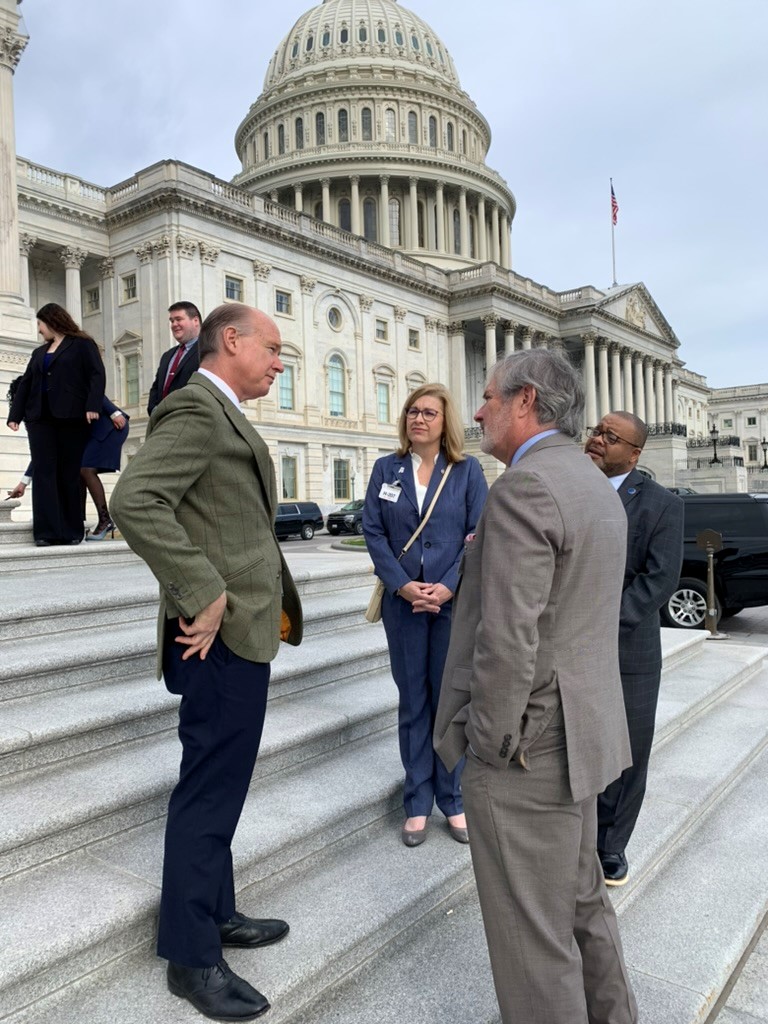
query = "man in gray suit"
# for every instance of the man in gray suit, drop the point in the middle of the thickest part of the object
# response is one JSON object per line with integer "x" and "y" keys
{"x": 532, "y": 695}
{"x": 654, "y": 558}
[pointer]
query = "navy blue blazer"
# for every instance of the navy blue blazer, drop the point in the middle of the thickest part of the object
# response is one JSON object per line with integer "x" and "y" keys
{"x": 187, "y": 367}
{"x": 388, "y": 525}
{"x": 75, "y": 382}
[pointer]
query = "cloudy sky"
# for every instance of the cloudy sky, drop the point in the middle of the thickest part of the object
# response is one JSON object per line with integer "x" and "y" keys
{"x": 669, "y": 97}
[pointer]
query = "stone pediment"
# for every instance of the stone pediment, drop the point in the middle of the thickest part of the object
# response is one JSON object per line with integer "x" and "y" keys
{"x": 634, "y": 305}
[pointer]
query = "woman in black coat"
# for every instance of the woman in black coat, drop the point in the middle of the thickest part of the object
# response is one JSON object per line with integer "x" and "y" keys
{"x": 59, "y": 396}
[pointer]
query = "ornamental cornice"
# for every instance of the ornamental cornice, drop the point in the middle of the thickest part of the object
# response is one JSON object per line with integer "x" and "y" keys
{"x": 72, "y": 257}
{"x": 35, "y": 203}
{"x": 618, "y": 321}
{"x": 12, "y": 45}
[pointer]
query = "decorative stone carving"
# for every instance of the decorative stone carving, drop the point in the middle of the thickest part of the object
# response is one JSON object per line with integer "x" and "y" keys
{"x": 12, "y": 45}
{"x": 400, "y": 314}
{"x": 456, "y": 327}
{"x": 26, "y": 242}
{"x": 589, "y": 337}
{"x": 185, "y": 247}
{"x": 308, "y": 284}
{"x": 208, "y": 253}
{"x": 261, "y": 270}
{"x": 430, "y": 324}
{"x": 442, "y": 326}
{"x": 366, "y": 303}
{"x": 162, "y": 246}
{"x": 144, "y": 252}
{"x": 490, "y": 320}
{"x": 107, "y": 268}
{"x": 635, "y": 314}
{"x": 73, "y": 258}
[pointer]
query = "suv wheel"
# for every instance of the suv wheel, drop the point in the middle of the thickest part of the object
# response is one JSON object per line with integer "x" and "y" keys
{"x": 687, "y": 607}
{"x": 359, "y": 528}
{"x": 307, "y": 531}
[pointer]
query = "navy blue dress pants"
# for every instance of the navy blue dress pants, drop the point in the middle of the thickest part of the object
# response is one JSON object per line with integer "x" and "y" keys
{"x": 418, "y": 645}
{"x": 221, "y": 716}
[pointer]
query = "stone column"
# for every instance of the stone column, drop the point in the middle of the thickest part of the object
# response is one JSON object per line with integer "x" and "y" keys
{"x": 659, "y": 390}
{"x": 384, "y": 202}
{"x": 527, "y": 336}
{"x": 590, "y": 406}
{"x": 12, "y": 44}
{"x": 458, "y": 370}
{"x": 464, "y": 222}
{"x": 73, "y": 259}
{"x": 26, "y": 243}
{"x": 669, "y": 401}
{"x": 543, "y": 340}
{"x": 637, "y": 365}
{"x": 298, "y": 198}
{"x": 650, "y": 401}
{"x": 440, "y": 202}
{"x": 509, "y": 337}
{"x": 115, "y": 388}
{"x": 354, "y": 203}
{"x": 326, "y": 185}
{"x": 413, "y": 203}
{"x": 629, "y": 401}
{"x": 615, "y": 376}
{"x": 604, "y": 405}
{"x": 261, "y": 272}
{"x": 506, "y": 256}
{"x": 312, "y": 390}
{"x": 495, "y": 253}
{"x": 482, "y": 232}
{"x": 489, "y": 322}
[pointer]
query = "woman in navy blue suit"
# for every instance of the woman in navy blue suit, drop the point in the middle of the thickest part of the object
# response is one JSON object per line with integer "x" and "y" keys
{"x": 417, "y": 604}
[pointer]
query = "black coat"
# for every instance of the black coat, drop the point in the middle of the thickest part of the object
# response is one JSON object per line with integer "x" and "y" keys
{"x": 75, "y": 382}
{"x": 189, "y": 364}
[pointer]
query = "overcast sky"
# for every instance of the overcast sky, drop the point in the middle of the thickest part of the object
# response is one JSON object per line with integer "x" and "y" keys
{"x": 669, "y": 97}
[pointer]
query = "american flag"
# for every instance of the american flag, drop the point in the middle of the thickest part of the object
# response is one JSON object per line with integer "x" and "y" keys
{"x": 614, "y": 206}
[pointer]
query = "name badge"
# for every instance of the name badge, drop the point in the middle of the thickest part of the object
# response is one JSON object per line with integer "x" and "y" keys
{"x": 389, "y": 492}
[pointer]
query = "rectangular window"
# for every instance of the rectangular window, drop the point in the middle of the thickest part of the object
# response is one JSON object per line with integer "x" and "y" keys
{"x": 289, "y": 476}
{"x": 283, "y": 303}
{"x": 92, "y": 300}
{"x": 381, "y": 330}
{"x": 129, "y": 287}
{"x": 752, "y": 453}
{"x": 728, "y": 424}
{"x": 751, "y": 421}
{"x": 285, "y": 389}
{"x": 413, "y": 338}
{"x": 131, "y": 371}
{"x": 233, "y": 288}
{"x": 340, "y": 480}
{"x": 382, "y": 403}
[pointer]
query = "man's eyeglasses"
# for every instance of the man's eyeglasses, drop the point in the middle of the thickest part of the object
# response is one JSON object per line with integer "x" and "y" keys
{"x": 609, "y": 437}
{"x": 428, "y": 415}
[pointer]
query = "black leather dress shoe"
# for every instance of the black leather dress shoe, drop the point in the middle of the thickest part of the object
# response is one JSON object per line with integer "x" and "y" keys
{"x": 216, "y": 991}
{"x": 250, "y": 932}
{"x": 615, "y": 868}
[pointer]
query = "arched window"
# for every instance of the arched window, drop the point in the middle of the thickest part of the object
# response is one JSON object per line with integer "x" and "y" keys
{"x": 428, "y": 45}
{"x": 456, "y": 232}
{"x": 344, "y": 35}
{"x": 472, "y": 235}
{"x": 362, "y": 34}
{"x": 326, "y": 38}
{"x": 337, "y": 395}
{"x": 433, "y": 132}
{"x": 389, "y": 125}
{"x": 413, "y": 127}
{"x": 381, "y": 34}
{"x": 318, "y": 211}
{"x": 449, "y": 136}
{"x": 366, "y": 124}
{"x": 281, "y": 139}
{"x": 345, "y": 215}
{"x": 463, "y": 141}
{"x": 343, "y": 126}
{"x": 310, "y": 43}
{"x": 320, "y": 129}
{"x": 369, "y": 219}
{"x": 415, "y": 41}
{"x": 421, "y": 215}
{"x": 295, "y": 49}
{"x": 299, "y": 128}
{"x": 394, "y": 222}
{"x": 266, "y": 145}
{"x": 399, "y": 38}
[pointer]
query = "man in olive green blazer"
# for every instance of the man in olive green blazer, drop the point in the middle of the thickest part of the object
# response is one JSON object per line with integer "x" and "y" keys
{"x": 197, "y": 503}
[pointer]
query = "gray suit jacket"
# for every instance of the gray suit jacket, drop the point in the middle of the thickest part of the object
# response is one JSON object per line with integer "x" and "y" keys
{"x": 197, "y": 503}
{"x": 536, "y": 621}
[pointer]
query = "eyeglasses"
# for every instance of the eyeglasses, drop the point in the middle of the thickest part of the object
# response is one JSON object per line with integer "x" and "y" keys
{"x": 609, "y": 437}
{"x": 428, "y": 415}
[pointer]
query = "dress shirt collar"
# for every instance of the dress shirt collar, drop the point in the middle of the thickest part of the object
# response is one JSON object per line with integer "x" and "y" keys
{"x": 221, "y": 385}
{"x": 617, "y": 481}
{"x": 530, "y": 443}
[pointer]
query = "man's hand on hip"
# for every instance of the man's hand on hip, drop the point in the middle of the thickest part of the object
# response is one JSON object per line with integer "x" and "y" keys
{"x": 201, "y": 632}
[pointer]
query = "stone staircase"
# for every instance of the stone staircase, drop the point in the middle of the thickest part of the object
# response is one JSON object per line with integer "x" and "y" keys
{"x": 88, "y": 753}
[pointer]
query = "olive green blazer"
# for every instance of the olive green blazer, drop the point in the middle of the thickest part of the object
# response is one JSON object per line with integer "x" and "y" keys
{"x": 197, "y": 502}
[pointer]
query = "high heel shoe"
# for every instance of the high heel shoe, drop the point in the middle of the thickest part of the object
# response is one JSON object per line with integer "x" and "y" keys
{"x": 103, "y": 527}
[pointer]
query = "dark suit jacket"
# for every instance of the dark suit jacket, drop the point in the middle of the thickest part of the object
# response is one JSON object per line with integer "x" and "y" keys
{"x": 536, "y": 616}
{"x": 197, "y": 502}
{"x": 388, "y": 525}
{"x": 75, "y": 382}
{"x": 189, "y": 364}
{"x": 654, "y": 558}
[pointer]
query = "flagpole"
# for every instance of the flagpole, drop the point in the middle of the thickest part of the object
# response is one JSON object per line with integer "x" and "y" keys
{"x": 614, "y": 211}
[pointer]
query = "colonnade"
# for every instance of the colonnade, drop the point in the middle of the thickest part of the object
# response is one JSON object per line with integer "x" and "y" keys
{"x": 619, "y": 377}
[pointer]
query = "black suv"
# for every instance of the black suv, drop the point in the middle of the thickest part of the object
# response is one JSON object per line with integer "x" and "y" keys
{"x": 741, "y": 567}
{"x": 298, "y": 517}
{"x": 347, "y": 519}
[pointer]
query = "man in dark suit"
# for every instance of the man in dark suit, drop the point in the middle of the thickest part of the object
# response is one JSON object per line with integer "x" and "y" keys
{"x": 531, "y": 695}
{"x": 654, "y": 558}
{"x": 179, "y": 363}
{"x": 198, "y": 503}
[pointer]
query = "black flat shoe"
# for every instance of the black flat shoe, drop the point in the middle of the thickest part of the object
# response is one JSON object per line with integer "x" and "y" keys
{"x": 216, "y": 991}
{"x": 615, "y": 868}
{"x": 250, "y": 932}
{"x": 461, "y": 835}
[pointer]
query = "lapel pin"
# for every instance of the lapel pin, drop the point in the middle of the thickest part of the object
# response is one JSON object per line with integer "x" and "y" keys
{"x": 631, "y": 490}
{"x": 401, "y": 470}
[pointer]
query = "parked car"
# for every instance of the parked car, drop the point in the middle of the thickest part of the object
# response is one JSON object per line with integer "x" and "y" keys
{"x": 741, "y": 567}
{"x": 347, "y": 519}
{"x": 682, "y": 490}
{"x": 298, "y": 517}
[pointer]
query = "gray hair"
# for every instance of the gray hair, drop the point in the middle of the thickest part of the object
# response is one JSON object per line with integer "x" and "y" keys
{"x": 559, "y": 389}
{"x": 229, "y": 314}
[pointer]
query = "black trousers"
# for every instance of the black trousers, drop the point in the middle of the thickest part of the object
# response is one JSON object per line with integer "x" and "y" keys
{"x": 56, "y": 447}
{"x": 221, "y": 716}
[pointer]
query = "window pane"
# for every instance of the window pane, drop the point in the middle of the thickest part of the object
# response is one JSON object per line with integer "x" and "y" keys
{"x": 345, "y": 215}
{"x": 233, "y": 289}
{"x": 369, "y": 220}
{"x": 389, "y": 121}
{"x": 367, "y": 124}
{"x": 131, "y": 365}
{"x": 281, "y": 139}
{"x": 337, "y": 402}
{"x": 413, "y": 128}
{"x": 283, "y": 302}
{"x": 343, "y": 126}
{"x": 382, "y": 403}
{"x": 299, "y": 133}
{"x": 394, "y": 222}
{"x": 288, "y": 474}
{"x": 381, "y": 330}
{"x": 320, "y": 129}
{"x": 285, "y": 389}
{"x": 340, "y": 480}
{"x": 433, "y": 132}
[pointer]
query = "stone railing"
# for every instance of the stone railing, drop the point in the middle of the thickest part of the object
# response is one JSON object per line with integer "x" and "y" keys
{"x": 706, "y": 462}
{"x": 668, "y": 430}
{"x": 724, "y": 441}
{"x": 65, "y": 185}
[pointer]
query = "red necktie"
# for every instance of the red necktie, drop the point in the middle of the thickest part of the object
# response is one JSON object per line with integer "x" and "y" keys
{"x": 172, "y": 370}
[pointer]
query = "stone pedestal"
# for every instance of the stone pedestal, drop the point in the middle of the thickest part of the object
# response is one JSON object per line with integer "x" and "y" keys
{"x": 11, "y": 532}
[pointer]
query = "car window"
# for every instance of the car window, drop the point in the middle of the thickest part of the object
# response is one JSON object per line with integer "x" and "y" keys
{"x": 745, "y": 519}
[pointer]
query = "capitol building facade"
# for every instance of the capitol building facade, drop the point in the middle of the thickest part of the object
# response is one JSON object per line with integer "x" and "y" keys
{"x": 366, "y": 222}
